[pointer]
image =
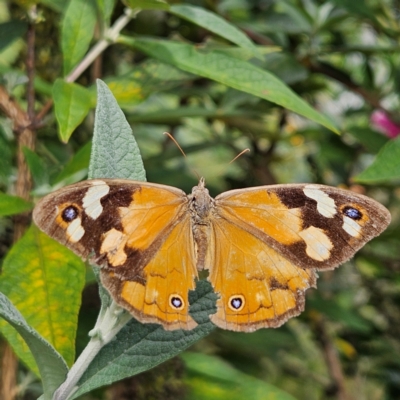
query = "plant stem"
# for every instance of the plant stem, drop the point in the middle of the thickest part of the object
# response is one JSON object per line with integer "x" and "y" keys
{"x": 109, "y": 323}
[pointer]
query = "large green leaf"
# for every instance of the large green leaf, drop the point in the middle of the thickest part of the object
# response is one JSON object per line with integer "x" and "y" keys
{"x": 10, "y": 205}
{"x": 77, "y": 31}
{"x": 213, "y": 23}
{"x": 386, "y": 165}
{"x": 239, "y": 74}
{"x": 72, "y": 102}
{"x": 51, "y": 365}
{"x": 44, "y": 280}
{"x": 115, "y": 153}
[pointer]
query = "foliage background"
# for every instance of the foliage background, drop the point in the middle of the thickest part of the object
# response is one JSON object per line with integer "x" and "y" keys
{"x": 341, "y": 56}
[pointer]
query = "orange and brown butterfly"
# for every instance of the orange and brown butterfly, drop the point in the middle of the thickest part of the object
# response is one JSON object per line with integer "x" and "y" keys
{"x": 261, "y": 246}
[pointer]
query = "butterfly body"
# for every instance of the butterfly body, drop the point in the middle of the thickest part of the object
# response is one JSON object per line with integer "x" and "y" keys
{"x": 261, "y": 246}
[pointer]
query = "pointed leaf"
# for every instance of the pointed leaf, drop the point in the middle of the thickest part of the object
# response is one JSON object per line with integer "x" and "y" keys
{"x": 10, "y": 205}
{"x": 139, "y": 347}
{"x": 106, "y": 7}
{"x": 386, "y": 165}
{"x": 115, "y": 153}
{"x": 52, "y": 367}
{"x": 44, "y": 281}
{"x": 77, "y": 31}
{"x": 213, "y": 23}
{"x": 72, "y": 102}
{"x": 232, "y": 72}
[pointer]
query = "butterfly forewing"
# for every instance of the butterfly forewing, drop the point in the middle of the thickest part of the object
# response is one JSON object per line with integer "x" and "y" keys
{"x": 313, "y": 226}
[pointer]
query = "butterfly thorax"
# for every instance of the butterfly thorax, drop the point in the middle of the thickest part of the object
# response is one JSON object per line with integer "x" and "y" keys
{"x": 201, "y": 203}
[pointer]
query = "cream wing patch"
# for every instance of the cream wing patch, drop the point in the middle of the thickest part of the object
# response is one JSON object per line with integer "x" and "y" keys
{"x": 325, "y": 204}
{"x": 114, "y": 244}
{"x": 351, "y": 227}
{"x": 91, "y": 201}
{"x": 318, "y": 243}
{"x": 75, "y": 230}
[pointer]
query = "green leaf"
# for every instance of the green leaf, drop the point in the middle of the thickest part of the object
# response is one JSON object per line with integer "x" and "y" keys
{"x": 52, "y": 367}
{"x": 232, "y": 72}
{"x": 10, "y": 205}
{"x": 10, "y": 31}
{"x": 37, "y": 167}
{"x": 78, "y": 165}
{"x": 115, "y": 153}
{"x": 77, "y": 31}
{"x": 139, "y": 347}
{"x": 72, "y": 102}
{"x": 370, "y": 139}
{"x": 106, "y": 8}
{"x": 210, "y": 378}
{"x": 386, "y": 165}
{"x": 44, "y": 280}
{"x": 147, "y": 4}
{"x": 213, "y": 23}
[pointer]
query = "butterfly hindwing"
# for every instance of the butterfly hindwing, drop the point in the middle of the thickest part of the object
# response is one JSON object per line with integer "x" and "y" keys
{"x": 257, "y": 287}
{"x": 161, "y": 293}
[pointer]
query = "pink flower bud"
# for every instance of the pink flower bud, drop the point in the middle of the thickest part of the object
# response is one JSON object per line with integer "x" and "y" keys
{"x": 382, "y": 122}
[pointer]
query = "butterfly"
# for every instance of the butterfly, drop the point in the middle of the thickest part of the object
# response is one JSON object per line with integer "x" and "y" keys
{"x": 261, "y": 246}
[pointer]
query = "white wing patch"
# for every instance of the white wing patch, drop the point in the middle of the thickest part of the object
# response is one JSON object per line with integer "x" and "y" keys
{"x": 91, "y": 201}
{"x": 325, "y": 204}
{"x": 351, "y": 227}
{"x": 75, "y": 230}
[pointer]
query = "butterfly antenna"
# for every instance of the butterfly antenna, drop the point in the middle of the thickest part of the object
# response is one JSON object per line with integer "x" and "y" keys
{"x": 224, "y": 168}
{"x": 176, "y": 143}
{"x": 240, "y": 154}
{"x": 183, "y": 153}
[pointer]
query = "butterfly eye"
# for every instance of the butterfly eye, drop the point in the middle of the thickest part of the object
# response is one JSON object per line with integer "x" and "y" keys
{"x": 236, "y": 302}
{"x": 176, "y": 302}
{"x": 352, "y": 213}
{"x": 70, "y": 213}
